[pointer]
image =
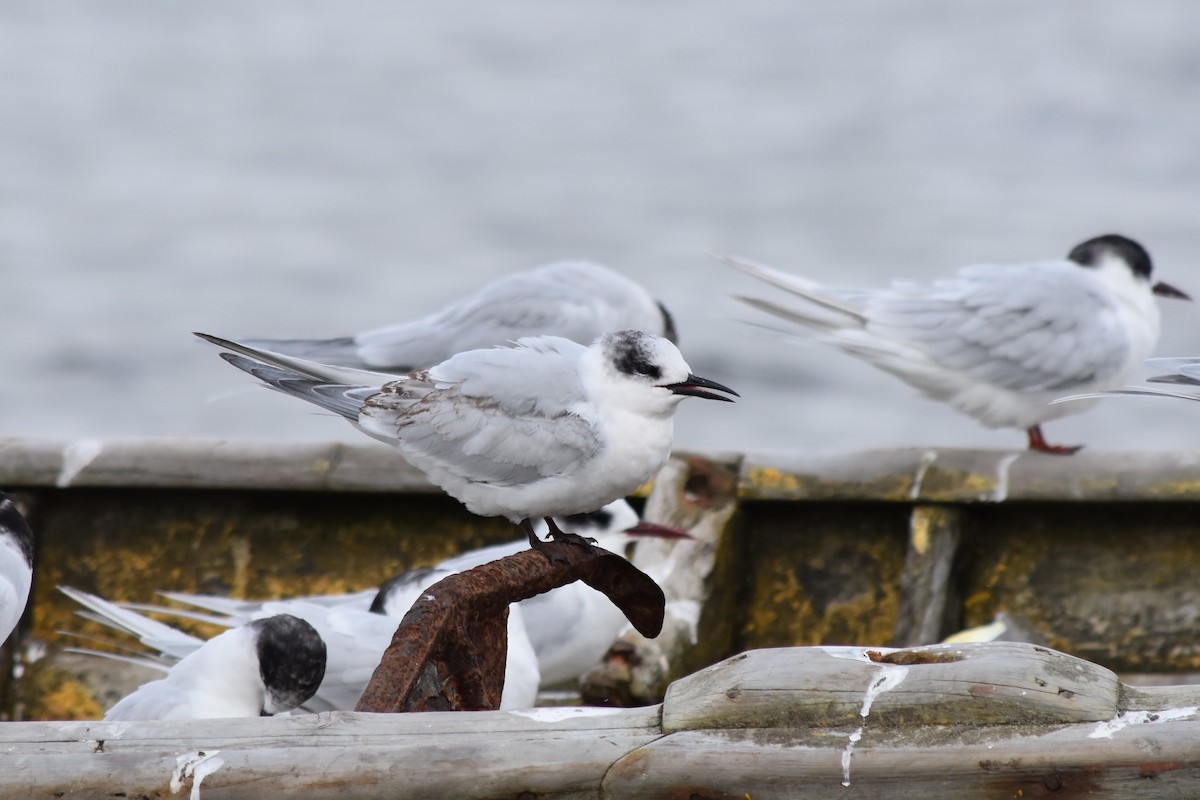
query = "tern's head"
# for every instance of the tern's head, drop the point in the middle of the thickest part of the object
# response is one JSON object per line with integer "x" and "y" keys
{"x": 616, "y": 524}
{"x": 291, "y": 661}
{"x": 652, "y": 373}
{"x": 1117, "y": 258}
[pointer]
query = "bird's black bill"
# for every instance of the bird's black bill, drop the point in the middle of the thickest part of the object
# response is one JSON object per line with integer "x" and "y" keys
{"x": 1167, "y": 290}
{"x": 659, "y": 531}
{"x": 695, "y": 386}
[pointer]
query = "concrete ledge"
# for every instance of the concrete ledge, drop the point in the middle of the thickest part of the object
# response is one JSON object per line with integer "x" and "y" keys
{"x": 180, "y": 463}
{"x": 972, "y": 476}
{"x": 904, "y": 476}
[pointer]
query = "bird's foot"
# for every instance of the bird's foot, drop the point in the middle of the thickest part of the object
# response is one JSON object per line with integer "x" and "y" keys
{"x": 559, "y": 535}
{"x": 1038, "y": 444}
{"x": 556, "y": 535}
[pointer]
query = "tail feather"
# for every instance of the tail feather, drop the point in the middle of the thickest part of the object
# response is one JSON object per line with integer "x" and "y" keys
{"x": 803, "y": 288}
{"x": 149, "y": 632}
{"x": 814, "y": 318}
{"x": 326, "y": 373}
{"x": 337, "y": 398}
{"x": 215, "y": 603}
{"x": 140, "y": 661}
{"x": 343, "y": 352}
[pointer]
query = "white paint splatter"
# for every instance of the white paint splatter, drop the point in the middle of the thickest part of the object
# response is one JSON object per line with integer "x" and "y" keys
{"x": 927, "y": 459}
{"x": 196, "y": 766}
{"x": 1105, "y": 730}
{"x": 1000, "y": 493}
{"x": 560, "y": 713}
{"x": 76, "y": 456}
{"x": 890, "y": 676}
{"x": 854, "y": 653}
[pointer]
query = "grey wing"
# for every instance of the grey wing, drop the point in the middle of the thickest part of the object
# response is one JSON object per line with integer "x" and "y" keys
{"x": 1025, "y": 328}
{"x": 574, "y": 300}
{"x": 502, "y": 416}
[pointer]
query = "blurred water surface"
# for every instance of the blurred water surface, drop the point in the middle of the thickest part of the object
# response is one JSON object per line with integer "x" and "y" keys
{"x": 301, "y": 169}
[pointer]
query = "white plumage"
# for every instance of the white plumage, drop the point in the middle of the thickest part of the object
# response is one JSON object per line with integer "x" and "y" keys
{"x": 16, "y": 565}
{"x": 544, "y": 428}
{"x": 577, "y": 300}
{"x": 998, "y": 343}
{"x": 354, "y": 637}
{"x": 264, "y": 666}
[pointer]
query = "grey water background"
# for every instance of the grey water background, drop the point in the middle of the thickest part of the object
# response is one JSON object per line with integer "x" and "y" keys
{"x": 307, "y": 169}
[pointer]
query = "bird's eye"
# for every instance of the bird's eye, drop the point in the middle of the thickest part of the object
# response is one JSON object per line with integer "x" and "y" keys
{"x": 649, "y": 370}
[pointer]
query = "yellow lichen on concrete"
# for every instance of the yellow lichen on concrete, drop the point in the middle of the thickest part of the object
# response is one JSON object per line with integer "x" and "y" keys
{"x": 947, "y": 484}
{"x": 918, "y": 531}
{"x": 769, "y": 483}
{"x": 766, "y": 480}
{"x": 815, "y": 579}
{"x": 1182, "y": 489}
{"x": 50, "y": 693}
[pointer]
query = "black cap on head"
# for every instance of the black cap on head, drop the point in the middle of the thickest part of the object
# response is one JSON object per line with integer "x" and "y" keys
{"x": 1092, "y": 251}
{"x": 380, "y": 604}
{"x": 291, "y": 660}
{"x": 13, "y": 523}
{"x": 600, "y": 518}
{"x": 632, "y": 354}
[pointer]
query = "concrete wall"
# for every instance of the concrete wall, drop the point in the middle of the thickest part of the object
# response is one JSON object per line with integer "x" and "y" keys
{"x": 1096, "y": 553}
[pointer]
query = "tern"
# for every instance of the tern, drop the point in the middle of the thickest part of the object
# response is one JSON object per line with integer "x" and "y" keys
{"x": 354, "y": 636}
{"x": 16, "y": 565}
{"x": 544, "y": 428}
{"x": 264, "y": 667}
{"x": 998, "y": 343}
{"x": 572, "y": 625}
{"x": 577, "y": 300}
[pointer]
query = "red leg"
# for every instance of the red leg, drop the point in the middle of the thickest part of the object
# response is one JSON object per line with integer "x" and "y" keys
{"x": 1038, "y": 443}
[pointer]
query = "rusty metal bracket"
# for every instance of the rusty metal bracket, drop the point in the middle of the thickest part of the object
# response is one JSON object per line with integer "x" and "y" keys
{"x": 448, "y": 652}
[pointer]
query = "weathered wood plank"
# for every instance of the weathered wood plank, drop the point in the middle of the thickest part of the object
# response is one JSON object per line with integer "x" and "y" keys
{"x": 561, "y": 753}
{"x": 1142, "y": 760}
{"x": 325, "y": 729}
{"x": 1001, "y": 720}
{"x": 206, "y": 463}
{"x": 995, "y": 682}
